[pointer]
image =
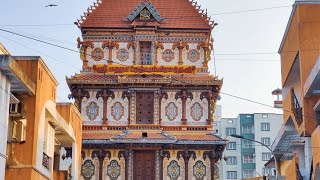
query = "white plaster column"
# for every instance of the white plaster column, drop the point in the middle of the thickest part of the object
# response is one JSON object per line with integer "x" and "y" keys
{"x": 75, "y": 162}
{"x": 4, "y": 117}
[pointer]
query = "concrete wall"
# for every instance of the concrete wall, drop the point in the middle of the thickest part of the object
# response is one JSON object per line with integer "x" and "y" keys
{"x": 4, "y": 115}
{"x": 275, "y": 121}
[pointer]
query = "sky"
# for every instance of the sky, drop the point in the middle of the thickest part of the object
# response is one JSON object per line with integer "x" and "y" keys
{"x": 246, "y": 44}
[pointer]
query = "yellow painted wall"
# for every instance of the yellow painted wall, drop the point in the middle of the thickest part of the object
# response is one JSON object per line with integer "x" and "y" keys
{"x": 302, "y": 40}
{"x": 70, "y": 113}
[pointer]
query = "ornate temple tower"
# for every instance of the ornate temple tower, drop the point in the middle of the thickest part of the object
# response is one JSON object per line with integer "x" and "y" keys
{"x": 145, "y": 91}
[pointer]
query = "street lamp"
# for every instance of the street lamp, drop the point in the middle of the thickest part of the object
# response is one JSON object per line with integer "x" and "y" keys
{"x": 275, "y": 159}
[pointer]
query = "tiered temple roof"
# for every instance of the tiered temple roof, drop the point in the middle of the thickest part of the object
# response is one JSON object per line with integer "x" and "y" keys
{"x": 114, "y": 14}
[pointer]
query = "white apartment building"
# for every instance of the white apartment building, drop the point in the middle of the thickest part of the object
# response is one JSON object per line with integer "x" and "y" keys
{"x": 244, "y": 159}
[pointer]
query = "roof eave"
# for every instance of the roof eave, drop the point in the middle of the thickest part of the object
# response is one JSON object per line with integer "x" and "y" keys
{"x": 294, "y": 6}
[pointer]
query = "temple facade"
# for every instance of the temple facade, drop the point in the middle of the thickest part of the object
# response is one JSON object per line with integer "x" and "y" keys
{"x": 145, "y": 91}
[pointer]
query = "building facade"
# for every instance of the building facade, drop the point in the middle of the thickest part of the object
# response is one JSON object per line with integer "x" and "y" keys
{"x": 145, "y": 92}
{"x": 298, "y": 140}
{"x": 242, "y": 158}
{"x": 40, "y": 139}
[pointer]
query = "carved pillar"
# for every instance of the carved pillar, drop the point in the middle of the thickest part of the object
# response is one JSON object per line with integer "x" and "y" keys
{"x": 82, "y": 46}
{"x": 105, "y": 94}
{"x": 157, "y": 45}
{"x": 214, "y": 156}
{"x": 110, "y": 45}
{"x": 158, "y": 167}
{"x": 127, "y": 94}
{"x": 184, "y": 108}
{"x": 207, "y": 47}
{"x": 184, "y": 95}
{"x": 180, "y": 45}
{"x": 163, "y": 154}
{"x": 186, "y": 154}
{"x": 101, "y": 154}
{"x": 134, "y": 47}
{"x": 78, "y": 95}
{"x": 162, "y": 95}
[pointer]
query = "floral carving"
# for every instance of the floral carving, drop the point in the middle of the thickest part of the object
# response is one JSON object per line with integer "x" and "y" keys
{"x": 173, "y": 170}
{"x": 171, "y": 111}
{"x": 87, "y": 169}
{"x": 196, "y": 111}
{"x": 168, "y": 55}
{"x": 123, "y": 55}
{"x": 193, "y": 55}
{"x": 113, "y": 170}
{"x": 92, "y": 110}
{"x": 97, "y": 54}
{"x": 117, "y": 111}
{"x": 199, "y": 170}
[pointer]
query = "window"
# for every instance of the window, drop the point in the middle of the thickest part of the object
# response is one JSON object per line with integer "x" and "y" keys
{"x": 248, "y": 158}
{"x": 266, "y": 156}
{"x": 230, "y": 121}
{"x": 265, "y": 126}
{"x": 230, "y": 131}
{"x": 247, "y": 128}
{"x": 265, "y": 141}
{"x": 232, "y": 160}
{"x": 266, "y": 171}
{"x": 248, "y": 173}
{"x": 247, "y": 144}
{"x": 264, "y": 116}
{"x": 231, "y": 146}
{"x": 231, "y": 174}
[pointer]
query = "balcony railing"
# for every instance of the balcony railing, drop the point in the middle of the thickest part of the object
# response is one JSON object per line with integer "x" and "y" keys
{"x": 46, "y": 161}
{"x": 296, "y": 108}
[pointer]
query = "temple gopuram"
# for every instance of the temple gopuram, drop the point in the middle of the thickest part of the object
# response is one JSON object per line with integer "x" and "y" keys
{"x": 145, "y": 91}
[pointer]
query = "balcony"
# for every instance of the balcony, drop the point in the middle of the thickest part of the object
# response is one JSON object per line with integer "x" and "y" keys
{"x": 296, "y": 108}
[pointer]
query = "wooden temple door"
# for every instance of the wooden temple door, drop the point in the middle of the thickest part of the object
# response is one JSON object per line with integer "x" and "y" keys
{"x": 145, "y": 102}
{"x": 144, "y": 165}
{"x": 145, "y": 53}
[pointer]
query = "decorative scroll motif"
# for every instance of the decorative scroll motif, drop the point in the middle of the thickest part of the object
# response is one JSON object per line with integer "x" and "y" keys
{"x": 97, "y": 54}
{"x": 123, "y": 54}
{"x": 156, "y": 106}
{"x": 171, "y": 111}
{"x": 130, "y": 165}
{"x": 117, "y": 111}
{"x": 173, "y": 170}
{"x": 168, "y": 55}
{"x": 196, "y": 111}
{"x": 144, "y": 5}
{"x": 145, "y": 14}
{"x": 193, "y": 55}
{"x": 157, "y": 165}
{"x": 199, "y": 170}
{"x": 114, "y": 170}
{"x": 92, "y": 110}
{"x": 87, "y": 169}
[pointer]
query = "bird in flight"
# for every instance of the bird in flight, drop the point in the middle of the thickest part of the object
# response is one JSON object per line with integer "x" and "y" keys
{"x": 51, "y": 5}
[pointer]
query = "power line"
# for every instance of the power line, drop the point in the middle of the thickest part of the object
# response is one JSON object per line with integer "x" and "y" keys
{"x": 52, "y": 44}
{"x": 34, "y": 25}
{"x": 250, "y": 10}
{"x": 38, "y": 52}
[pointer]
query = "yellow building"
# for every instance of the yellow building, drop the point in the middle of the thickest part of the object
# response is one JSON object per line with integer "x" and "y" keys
{"x": 44, "y": 137}
{"x": 297, "y": 144}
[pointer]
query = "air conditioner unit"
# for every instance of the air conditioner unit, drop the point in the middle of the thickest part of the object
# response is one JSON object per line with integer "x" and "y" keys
{"x": 15, "y": 110}
{"x": 18, "y": 131}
